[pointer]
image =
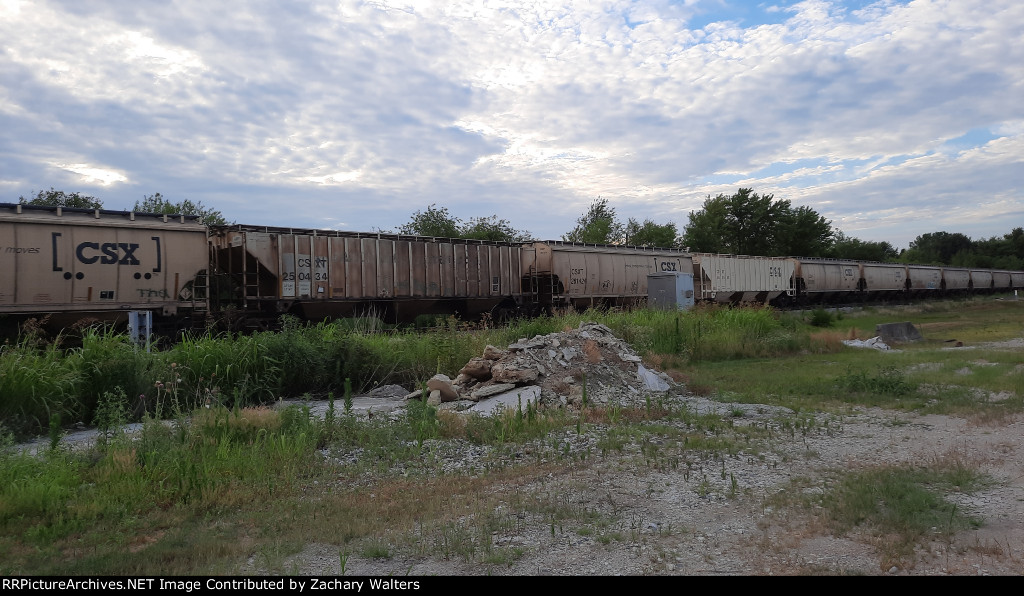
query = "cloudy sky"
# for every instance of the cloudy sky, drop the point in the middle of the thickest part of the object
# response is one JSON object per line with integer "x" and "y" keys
{"x": 891, "y": 119}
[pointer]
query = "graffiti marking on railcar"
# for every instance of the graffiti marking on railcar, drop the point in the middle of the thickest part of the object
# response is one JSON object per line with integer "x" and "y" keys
{"x": 158, "y": 293}
{"x": 21, "y": 250}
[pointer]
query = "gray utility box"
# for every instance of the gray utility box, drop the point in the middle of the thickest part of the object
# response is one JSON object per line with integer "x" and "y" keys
{"x": 670, "y": 291}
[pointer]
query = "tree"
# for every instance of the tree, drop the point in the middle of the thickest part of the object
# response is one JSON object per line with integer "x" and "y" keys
{"x": 158, "y": 204}
{"x": 752, "y": 224}
{"x": 937, "y": 248}
{"x": 492, "y": 228}
{"x": 597, "y": 226}
{"x": 802, "y": 232}
{"x": 435, "y": 221}
{"x": 706, "y": 230}
{"x": 855, "y": 249}
{"x": 59, "y": 198}
{"x": 650, "y": 234}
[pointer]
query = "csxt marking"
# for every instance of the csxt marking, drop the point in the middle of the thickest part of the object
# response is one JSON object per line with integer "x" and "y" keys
{"x": 666, "y": 266}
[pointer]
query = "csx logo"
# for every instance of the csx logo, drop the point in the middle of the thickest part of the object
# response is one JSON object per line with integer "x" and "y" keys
{"x": 108, "y": 253}
{"x": 666, "y": 266}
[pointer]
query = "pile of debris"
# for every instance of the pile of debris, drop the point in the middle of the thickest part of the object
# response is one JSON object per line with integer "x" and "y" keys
{"x": 554, "y": 370}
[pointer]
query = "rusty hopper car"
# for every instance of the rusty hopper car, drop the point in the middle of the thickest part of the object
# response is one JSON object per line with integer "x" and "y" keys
{"x": 317, "y": 274}
{"x": 74, "y": 263}
{"x": 736, "y": 279}
{"x": 562, "y": 274}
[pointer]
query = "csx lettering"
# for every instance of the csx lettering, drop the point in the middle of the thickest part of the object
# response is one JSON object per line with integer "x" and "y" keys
{"x": 108, "y": 253}
{"x": 666, "y": 266}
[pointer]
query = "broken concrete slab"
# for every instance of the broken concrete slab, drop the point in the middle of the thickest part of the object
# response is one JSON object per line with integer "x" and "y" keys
{"x": 510, "y": 400}
{"x": 898, "y": 332}
{"x": 651, "y": 380}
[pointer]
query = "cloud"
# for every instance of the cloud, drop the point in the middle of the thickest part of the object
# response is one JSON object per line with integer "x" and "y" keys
{"x": 525, "y": 110}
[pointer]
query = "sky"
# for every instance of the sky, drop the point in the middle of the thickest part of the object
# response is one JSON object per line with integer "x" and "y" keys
{"x": 891, "y": 119}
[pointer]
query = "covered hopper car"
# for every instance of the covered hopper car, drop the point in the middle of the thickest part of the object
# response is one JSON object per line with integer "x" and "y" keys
{"x": 75, "y": 264}
{"x": 317, "y": 274}
{"x": 560, "y": 274}
{"x": 71, "y": 262}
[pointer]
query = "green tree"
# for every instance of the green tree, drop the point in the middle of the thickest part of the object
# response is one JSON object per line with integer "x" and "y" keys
{"x": 158, "y": 204}
{"x": 650, "y": 234}
{"x": 706, "y": 230}
{"x": 597, "y": 226}
{"x": 938, "y": 248}
{"x": 435, "y": 221}
{"x": 59, "y": 198}
{"x": 753, "y": 224}
{"x": 438, "y": 222}
{"x": 492, "y": 228}
{"x": 801, "y": 232}
{"x": 847, "y": 247}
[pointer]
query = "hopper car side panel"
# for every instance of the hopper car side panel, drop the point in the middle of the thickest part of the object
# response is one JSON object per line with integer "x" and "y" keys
{"x": 981, "y": 280}
{"x": 323, "y": 273}
{"x": 922, "y": 279}
{"x": 956, "y": 279}
{"x": 94, "y": 261}
{"x": 1001, "y": 281}
{"x": 884, "y": 278}
{"x": 734, "y": 279}
{"x": 584, "y": 276}
{"x": 821, "y": 280}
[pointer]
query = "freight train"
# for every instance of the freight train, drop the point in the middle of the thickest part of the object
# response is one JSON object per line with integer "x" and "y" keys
{"x": 74, "y": 264}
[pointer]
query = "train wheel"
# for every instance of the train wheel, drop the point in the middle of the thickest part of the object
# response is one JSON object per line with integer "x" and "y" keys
{"x": 504, "y": 312}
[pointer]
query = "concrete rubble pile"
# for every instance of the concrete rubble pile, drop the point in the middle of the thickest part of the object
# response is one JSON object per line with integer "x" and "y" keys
{"x": 551, "y": 371}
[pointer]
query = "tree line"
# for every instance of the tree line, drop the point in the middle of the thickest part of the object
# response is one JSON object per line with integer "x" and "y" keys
{"x": 742, "y": 223}
{"x": 155, "y": 203}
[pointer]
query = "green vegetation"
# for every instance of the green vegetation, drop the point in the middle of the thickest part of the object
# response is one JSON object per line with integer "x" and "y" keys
{"x": 896, "y": 507}
{"x": 386, "y": 486}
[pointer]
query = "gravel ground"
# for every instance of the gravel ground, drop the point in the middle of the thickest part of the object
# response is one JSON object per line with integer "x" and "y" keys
{"x": 672, "y": 522}
{"x": 667, "y": 520}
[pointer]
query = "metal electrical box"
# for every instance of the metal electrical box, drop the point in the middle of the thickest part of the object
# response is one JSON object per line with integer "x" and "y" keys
{"x": 670, "y": 291}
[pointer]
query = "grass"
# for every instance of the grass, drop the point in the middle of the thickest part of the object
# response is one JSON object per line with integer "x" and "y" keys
{"x": 273, "y": 481}
{"x": 899, "y": 506}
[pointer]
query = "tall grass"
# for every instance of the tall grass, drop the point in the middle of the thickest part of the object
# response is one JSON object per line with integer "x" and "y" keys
{"x": 36, "y": 384}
